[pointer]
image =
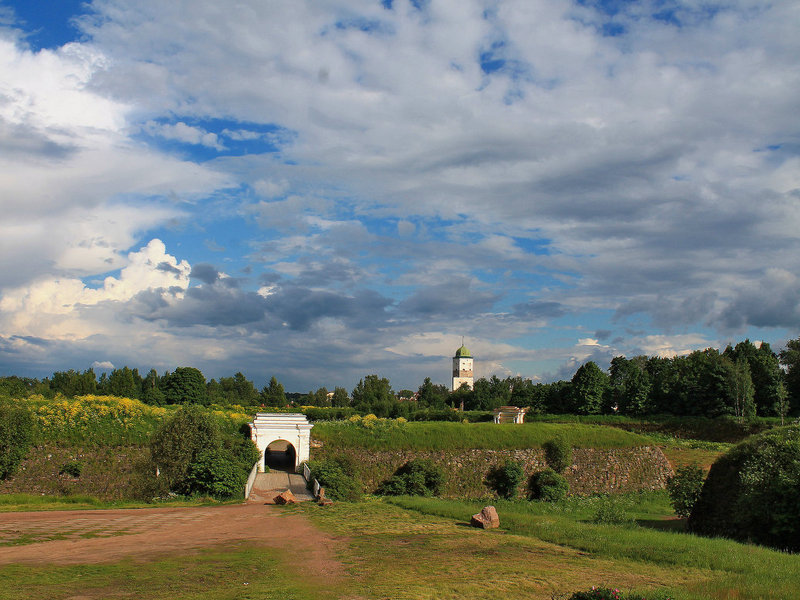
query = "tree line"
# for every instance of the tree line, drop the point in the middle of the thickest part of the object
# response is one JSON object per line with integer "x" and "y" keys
{"x": 744, "y": 380}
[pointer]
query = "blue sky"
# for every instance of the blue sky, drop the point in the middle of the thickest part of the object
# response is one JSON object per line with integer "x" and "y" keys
{"x": 321, "y": 191}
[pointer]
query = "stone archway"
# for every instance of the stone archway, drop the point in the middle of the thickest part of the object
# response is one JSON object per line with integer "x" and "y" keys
{"x": 288, "y": 428}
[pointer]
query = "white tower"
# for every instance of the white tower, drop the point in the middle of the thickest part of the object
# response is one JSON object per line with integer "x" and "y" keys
{"x": 462, "y": 368}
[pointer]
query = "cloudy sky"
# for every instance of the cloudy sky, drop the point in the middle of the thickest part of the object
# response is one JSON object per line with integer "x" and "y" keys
{"x": 327, "y": 189}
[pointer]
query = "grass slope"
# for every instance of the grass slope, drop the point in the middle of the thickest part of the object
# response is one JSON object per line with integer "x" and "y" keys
{"x": 697, "y": 567}
{"x": 391, "y": 435}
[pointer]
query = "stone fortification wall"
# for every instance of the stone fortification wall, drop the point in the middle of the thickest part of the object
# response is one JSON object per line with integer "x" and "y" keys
{"x": 593, "y": 471}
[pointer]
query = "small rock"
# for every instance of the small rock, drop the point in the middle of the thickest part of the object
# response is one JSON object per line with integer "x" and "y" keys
{"x": 286, "y": 497}
{"x": 487, "y": 518}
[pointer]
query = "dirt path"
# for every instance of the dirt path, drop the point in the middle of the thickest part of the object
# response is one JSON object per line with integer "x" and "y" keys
{"x": 94, "y": 536}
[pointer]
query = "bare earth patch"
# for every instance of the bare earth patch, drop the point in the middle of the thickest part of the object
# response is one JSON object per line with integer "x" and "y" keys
{"x": 101, "y": 536}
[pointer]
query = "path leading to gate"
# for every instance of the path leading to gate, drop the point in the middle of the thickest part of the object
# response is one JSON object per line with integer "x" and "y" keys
{"x": 269, "y": 485}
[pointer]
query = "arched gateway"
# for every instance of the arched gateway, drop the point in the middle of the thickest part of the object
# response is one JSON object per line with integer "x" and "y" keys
{"x": 291, "y": 428}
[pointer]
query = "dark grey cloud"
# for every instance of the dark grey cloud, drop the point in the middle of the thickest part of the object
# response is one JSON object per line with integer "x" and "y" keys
{"x": 214, "y": 306}
{"x": 204, "y": 272}
{"x": 539, "y": 310}
{"x": 455, "y": 298}
{"x": 775, "y": 303}
{"x": 168, "y": 268}
{"x": 300, "y": 307}
{"x": 27, "y": 142}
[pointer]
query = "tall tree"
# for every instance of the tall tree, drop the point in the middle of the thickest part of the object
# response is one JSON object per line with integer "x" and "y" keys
{"x": 430, "y": 395}
{"x": 790, "y": 359}
{"x": 124, "y": 382}
{"x": 72, "y": 383}
{"x": 151, "y": 392}
{"x": 340, "y": 397}
{"x": 742, "y": 390}
{"x": 373, "y": 394}
{"x": 765, "y": 372}
{"x": 185, "y": 385}
{"x": 589, "y": 386}
{"x": 273, "y": 394}
{"x": 630, "y": 385}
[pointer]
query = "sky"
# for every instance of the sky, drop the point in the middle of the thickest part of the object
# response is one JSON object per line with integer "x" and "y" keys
{"x": 323, "y": 190}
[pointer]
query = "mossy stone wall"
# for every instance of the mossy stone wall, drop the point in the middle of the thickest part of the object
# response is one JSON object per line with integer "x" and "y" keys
{"x": 593, "y": 471}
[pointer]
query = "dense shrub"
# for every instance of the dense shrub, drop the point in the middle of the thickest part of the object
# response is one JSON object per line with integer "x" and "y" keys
{"x": 217, "y": 473}
{"x": 179, "y": 440}
{"x": 244, "y": 451}
{"x": 73, "y": 468}
{"x": 193, "y": 456}
{"x": 16, "y": 432}
{"x": 611, "y": 511}
{"x": 558, "y": 454}
{"x": 338, "y": 476}
{"x": 549, "y": 486}
{"x": 506, "y": 478}
{"x": 684, "y": 489}
{"x": 752, "y": 493}
{"x": 418, "y": 477}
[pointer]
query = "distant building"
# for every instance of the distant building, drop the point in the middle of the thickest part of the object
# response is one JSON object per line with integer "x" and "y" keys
{"x": 462, "y": 368}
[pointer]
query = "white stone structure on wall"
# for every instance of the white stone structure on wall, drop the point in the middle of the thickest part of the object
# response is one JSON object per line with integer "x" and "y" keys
{"x": 462, "y": 368}
{"x": 292, "y": 428}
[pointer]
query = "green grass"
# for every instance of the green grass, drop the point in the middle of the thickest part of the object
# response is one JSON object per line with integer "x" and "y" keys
{"x": 236, "y": 573}
{"x": 33, "y": 502}
{"x": 462, "y": 436}
{"x": 723, "y": 566}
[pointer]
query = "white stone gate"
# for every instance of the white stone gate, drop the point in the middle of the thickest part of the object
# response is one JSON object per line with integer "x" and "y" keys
{"x": 293, "y": 428}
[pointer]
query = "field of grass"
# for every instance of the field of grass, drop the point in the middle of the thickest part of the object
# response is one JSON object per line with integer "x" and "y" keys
{"x": 681, "y": 565}
{"x": 424, "y": 549}
{"x": 236, "y": 573}
{"x": 387, "y": 434}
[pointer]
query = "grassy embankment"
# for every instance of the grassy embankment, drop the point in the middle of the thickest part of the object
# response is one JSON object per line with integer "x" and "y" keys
{"x": 389, "y": 435}
{"x": 105, "y": 435}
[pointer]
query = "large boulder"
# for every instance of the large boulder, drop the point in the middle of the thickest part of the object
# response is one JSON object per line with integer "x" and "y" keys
{"x": 487, "y": 518}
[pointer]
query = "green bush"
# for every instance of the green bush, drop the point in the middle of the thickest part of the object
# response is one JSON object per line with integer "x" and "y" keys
{"x": 684, "y": 489}
{"x": 506, "y": 478}
{"x": 217, "y": 473}
{"x": 752, "y": 493}
{"x": 72, "y": 468}
{"x": 244, "y": 451}
{"x": 193, "y": 456}
{"x": 418, "y": 477}
{"x": 610, "y": 511}
{"x": 339, "y": 478}
{"x": 178, "y": 442}
{"x": 16, "y": 433}
{"x": 558, "y": 454}
{"x": 549, "y": 486}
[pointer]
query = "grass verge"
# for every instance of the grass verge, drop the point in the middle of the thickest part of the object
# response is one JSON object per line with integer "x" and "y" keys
{"x": 33, "y": 502}
{"x": 235, "y": 573}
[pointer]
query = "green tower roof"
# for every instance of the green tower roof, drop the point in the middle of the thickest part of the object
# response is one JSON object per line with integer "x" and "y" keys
{"x": 463, "y": 353}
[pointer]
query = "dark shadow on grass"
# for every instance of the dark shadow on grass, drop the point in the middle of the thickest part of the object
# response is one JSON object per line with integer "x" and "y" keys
{"x": 678, "y": 525}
